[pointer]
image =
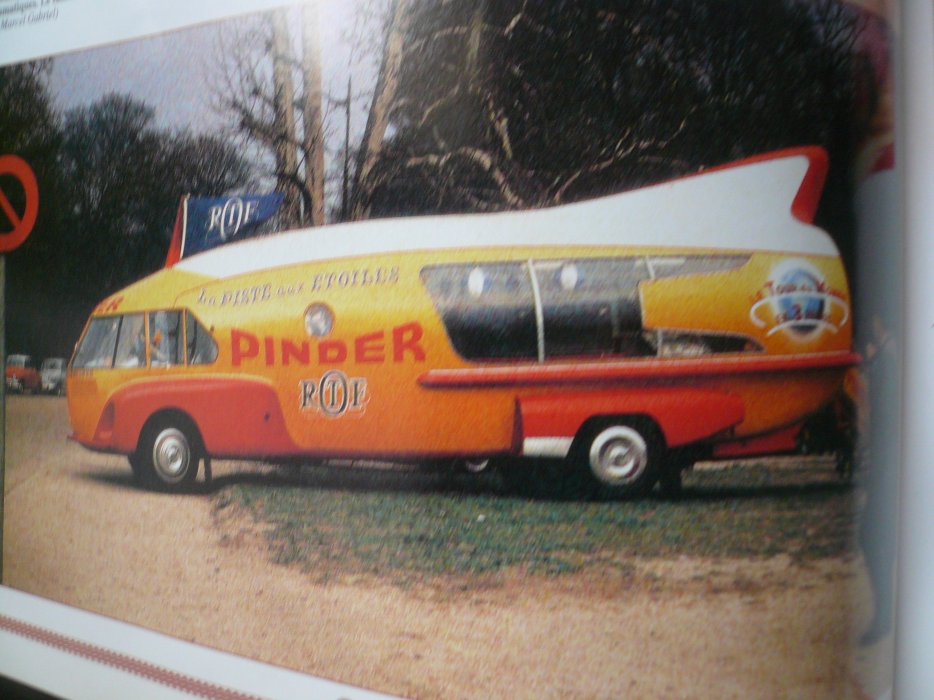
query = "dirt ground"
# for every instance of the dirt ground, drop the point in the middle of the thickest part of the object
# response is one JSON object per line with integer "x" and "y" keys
{"x": 77, "y": 530}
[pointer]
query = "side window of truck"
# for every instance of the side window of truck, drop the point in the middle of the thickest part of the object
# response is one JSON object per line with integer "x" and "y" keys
{"x": 590, "y": 308}
{"x": 201, "y": 348}
{"x": 165, "y": 338}
{"x": 553, "y": 309}
{"x": 131, "y": 347}
{"x": 488, "y": 309}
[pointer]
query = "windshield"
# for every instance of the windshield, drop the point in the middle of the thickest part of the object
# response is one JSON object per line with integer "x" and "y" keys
{"x": 97, "y": 346}
{"x": 52, "y": 364}
{"x": 16, "y": 361}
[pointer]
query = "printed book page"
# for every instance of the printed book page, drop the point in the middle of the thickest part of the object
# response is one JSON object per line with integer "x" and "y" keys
{"x": 915, "y": 572}
{"x": 409, "y": 349}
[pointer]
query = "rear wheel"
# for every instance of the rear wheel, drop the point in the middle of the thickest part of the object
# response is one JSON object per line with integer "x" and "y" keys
{"x": 167, "y": 456}
{"x": 619, "y": 458}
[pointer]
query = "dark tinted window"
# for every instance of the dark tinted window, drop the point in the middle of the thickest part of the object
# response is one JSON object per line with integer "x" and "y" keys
{"x": 488, "y": 309}
{"x": 591, "y": 307}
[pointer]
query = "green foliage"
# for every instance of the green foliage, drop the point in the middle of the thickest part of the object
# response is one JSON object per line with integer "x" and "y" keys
{"x": 27, "y": 119}
{"x": 125, "y": 178}
{"x": 407, "y": 527}
{"x": 110, "y": 182}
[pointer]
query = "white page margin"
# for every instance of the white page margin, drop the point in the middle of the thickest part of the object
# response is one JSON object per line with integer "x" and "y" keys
{"x": 81, "y": 24}
{"x": 914, "y": 672}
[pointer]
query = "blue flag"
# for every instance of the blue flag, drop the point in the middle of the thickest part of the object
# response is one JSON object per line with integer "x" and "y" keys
{"x": 207, "y": 222}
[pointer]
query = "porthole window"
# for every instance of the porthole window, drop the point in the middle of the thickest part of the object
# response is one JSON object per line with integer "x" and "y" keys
{"x": 476, "y": 282}
{"x": 319, "y": 320}
{"x": 568, "y": 277}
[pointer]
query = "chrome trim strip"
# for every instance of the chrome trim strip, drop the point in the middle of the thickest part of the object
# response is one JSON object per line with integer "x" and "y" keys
{"x": 539, "y": 312}
{"x": 547, "y": 446}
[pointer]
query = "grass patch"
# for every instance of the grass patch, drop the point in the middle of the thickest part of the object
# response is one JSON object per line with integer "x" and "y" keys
{"x": 408, "y": 525}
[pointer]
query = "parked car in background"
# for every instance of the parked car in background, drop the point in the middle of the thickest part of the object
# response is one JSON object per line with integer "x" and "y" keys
{"x": 52, "y": 375}
{"x": 21, "y": 374}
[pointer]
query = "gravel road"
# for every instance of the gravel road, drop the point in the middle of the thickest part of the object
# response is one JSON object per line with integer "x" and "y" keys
{"x": 77, "y": 530}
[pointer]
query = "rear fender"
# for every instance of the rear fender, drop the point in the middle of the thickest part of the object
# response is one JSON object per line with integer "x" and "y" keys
{"x": 549, "y": 424}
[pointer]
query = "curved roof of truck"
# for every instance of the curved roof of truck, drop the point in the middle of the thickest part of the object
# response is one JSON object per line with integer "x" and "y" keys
{"x": 764, "y": 203}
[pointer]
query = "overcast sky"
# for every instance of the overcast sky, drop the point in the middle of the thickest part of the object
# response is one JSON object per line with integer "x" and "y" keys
{"x": 168, "y": 72}
{"x": 172, "y": 72}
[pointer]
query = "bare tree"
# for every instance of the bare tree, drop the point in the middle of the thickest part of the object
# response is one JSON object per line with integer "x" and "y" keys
{"x": 380, "y": 107}
{"x": 283, "y": 125}
{"x": 314, "y": 146}
{"x": 260, "y": 64}
{"x": 270, "y": 86}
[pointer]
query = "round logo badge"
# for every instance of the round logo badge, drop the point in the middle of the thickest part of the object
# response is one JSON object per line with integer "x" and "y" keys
{"x": 796, "y": 299}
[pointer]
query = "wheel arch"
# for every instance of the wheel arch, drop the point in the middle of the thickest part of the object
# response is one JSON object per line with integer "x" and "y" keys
{"x": 642, "y": 422}
{"x": 234, "y": 417}
{"x": 171, "y": 415}
{"x": 551, "y": 424}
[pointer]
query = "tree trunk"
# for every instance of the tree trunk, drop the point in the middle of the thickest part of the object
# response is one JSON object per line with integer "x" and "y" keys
{"x": 284, "y": 125}
{"x": 378, "y": 118}
{"x": 313, "y": 143}
{"x": 345, "y": 189}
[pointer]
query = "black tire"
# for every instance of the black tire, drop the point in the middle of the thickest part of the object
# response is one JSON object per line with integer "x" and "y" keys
{"x": 671, "y": 471}
{"x": 618, "y": 458}
{"x": 137, "y": 467}
{"x": 168, "y": 455}
{"x": 541, "y": 478}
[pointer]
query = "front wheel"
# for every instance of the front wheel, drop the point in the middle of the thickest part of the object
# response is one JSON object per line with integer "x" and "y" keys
{"x": 620, "y": 458}
{"x": 167, "y": 456}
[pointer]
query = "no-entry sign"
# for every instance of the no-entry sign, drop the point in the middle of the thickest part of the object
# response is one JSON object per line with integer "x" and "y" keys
{"x": 15, "y": 226}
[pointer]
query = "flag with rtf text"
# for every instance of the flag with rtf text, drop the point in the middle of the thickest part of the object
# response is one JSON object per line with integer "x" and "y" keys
{"x": 203, "y": 223}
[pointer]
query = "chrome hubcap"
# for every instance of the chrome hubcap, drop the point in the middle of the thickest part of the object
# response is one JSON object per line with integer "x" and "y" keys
{"x": 171, "y": 455}
{"x": 619, "y": 455}
{"x": 475, "y": 466}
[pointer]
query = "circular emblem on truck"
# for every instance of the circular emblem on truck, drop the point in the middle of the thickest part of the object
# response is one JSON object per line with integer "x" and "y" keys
{"x": 319, "y": 320}
{"x": 797, "y": 300}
